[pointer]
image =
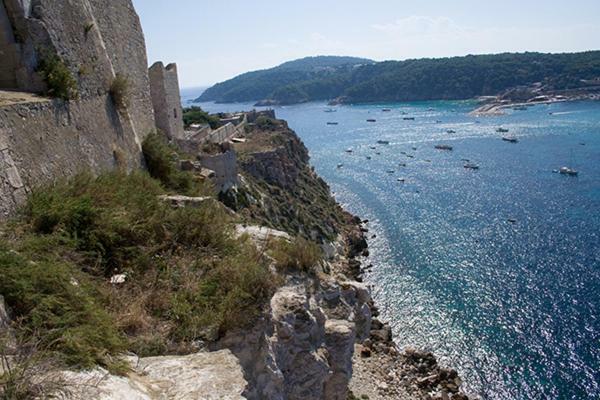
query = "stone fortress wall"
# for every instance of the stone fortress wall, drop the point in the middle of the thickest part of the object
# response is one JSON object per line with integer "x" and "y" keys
{"x": 166, "y": 100}
{"x": 45, "y": 139}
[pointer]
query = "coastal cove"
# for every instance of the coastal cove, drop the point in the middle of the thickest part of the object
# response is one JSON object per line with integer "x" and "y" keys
{"x": 495, "y": 270}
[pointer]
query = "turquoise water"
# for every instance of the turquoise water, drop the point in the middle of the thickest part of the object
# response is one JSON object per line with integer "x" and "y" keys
{"x": 514, "y": 306}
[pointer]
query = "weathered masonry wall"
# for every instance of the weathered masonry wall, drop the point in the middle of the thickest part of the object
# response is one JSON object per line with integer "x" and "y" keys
{"x": 96, "y": 40}
{"x": 226, "y": 132}
{"x": 225, "y": 167}
{"x": 8, "y": 52}
{"x": 164, "y": 86}
{"x": 40, "y": 142}
{"x": 43, "y": 141}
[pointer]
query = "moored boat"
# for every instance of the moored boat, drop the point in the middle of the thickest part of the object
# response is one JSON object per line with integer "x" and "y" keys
{"x": 471, "y": 165}
{"x": 568, "y": 171}
{"x": 383, "y": 142}
{"x": 502, "y": 130}
{"x": 443, "y": 147}
{"x": 510, "y": 139}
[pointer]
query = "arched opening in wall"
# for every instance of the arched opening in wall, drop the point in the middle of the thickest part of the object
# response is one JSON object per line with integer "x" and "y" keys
{"x": 9, "y": 57}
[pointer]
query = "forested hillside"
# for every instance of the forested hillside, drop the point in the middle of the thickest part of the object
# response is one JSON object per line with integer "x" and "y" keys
{"x": 453, "y": 78}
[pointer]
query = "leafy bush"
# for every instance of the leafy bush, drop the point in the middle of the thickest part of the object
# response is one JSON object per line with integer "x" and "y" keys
{"x": 161, "y": 161}
{"x": 120, "y": 91}
{"x": 195, "y": 115}
{"x": 58, "y": 78}
{"x": 299, "y": 254}
{"x": 266, "y": 123}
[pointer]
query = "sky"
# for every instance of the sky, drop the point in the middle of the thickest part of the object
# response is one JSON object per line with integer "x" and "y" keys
{"x": 212, "y": 41}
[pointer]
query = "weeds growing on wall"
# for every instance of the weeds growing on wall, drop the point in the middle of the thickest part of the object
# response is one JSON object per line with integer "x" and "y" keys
{"x": 58, "y": 78}
{"x": 119, "y": 92}
{"x": 162, "y": 159}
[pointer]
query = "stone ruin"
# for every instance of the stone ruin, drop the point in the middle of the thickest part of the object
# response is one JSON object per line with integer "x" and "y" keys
{"x": 166, "y": 100}
{"x": 97, "y": 42}
{"x": 42, "y": 138}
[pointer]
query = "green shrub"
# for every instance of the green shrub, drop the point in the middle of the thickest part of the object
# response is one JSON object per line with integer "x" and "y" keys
{"x": 299, "y": 254}
{"x": 161, "y": 161}
{"x": 56, "y": 304}
{"x": 266, "y": 123}
{"x": 120, "y": 91}
{"x": 58, "y": 78}
{"x": 188, "y": 277}
{"x": 230, "y": 294}
{"x": 196, "y": 115}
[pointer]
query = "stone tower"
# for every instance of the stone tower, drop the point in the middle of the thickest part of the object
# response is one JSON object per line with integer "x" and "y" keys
{"x": 164, "y": 87}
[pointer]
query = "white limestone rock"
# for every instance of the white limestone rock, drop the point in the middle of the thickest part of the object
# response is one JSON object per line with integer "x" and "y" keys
{"x": 201, "y": 376}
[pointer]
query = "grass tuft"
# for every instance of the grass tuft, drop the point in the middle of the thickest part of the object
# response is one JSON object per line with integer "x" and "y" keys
{"x": 161, "y": 161}
{"x": 58, "y": 78}
{"x": 299, "y": 254}
{"x": 120, "y": 92}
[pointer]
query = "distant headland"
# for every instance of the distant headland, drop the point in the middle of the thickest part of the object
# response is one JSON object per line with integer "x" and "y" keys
{"x": 346, "y": 80}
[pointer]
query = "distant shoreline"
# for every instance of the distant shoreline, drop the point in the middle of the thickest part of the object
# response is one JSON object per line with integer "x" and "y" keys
{"x": 498, "y": 107}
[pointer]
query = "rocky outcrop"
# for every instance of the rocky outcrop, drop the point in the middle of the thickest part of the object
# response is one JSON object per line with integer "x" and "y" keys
{"x": 7, "y": 338}
{"x": 303, "y": 347}
{"x": 281, "y": 164}
{"x": 201, "y": 376}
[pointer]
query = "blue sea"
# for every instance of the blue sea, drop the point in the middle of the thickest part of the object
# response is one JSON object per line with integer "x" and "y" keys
{"x": 496, "y": 270}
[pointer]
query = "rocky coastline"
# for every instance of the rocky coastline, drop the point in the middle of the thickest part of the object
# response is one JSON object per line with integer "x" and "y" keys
{"x": 381, "y": 370}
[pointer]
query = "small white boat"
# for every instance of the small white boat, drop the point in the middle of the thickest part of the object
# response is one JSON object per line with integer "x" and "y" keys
{"x": 401, "y": 180}
{"x": 383, "y": 142}
{"x": 568, "y": 171}
{"x": 471, "y": 165}
{"x": 502, "y": 130}
{"x": 349, "y": 150}
{"x": 340, "y": 165}
{"x": 510, "y": 139}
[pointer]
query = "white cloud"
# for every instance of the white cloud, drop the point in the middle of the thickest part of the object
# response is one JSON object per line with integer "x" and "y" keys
{"x": 416, "y": 25}
{"x": 426, "y": 36}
